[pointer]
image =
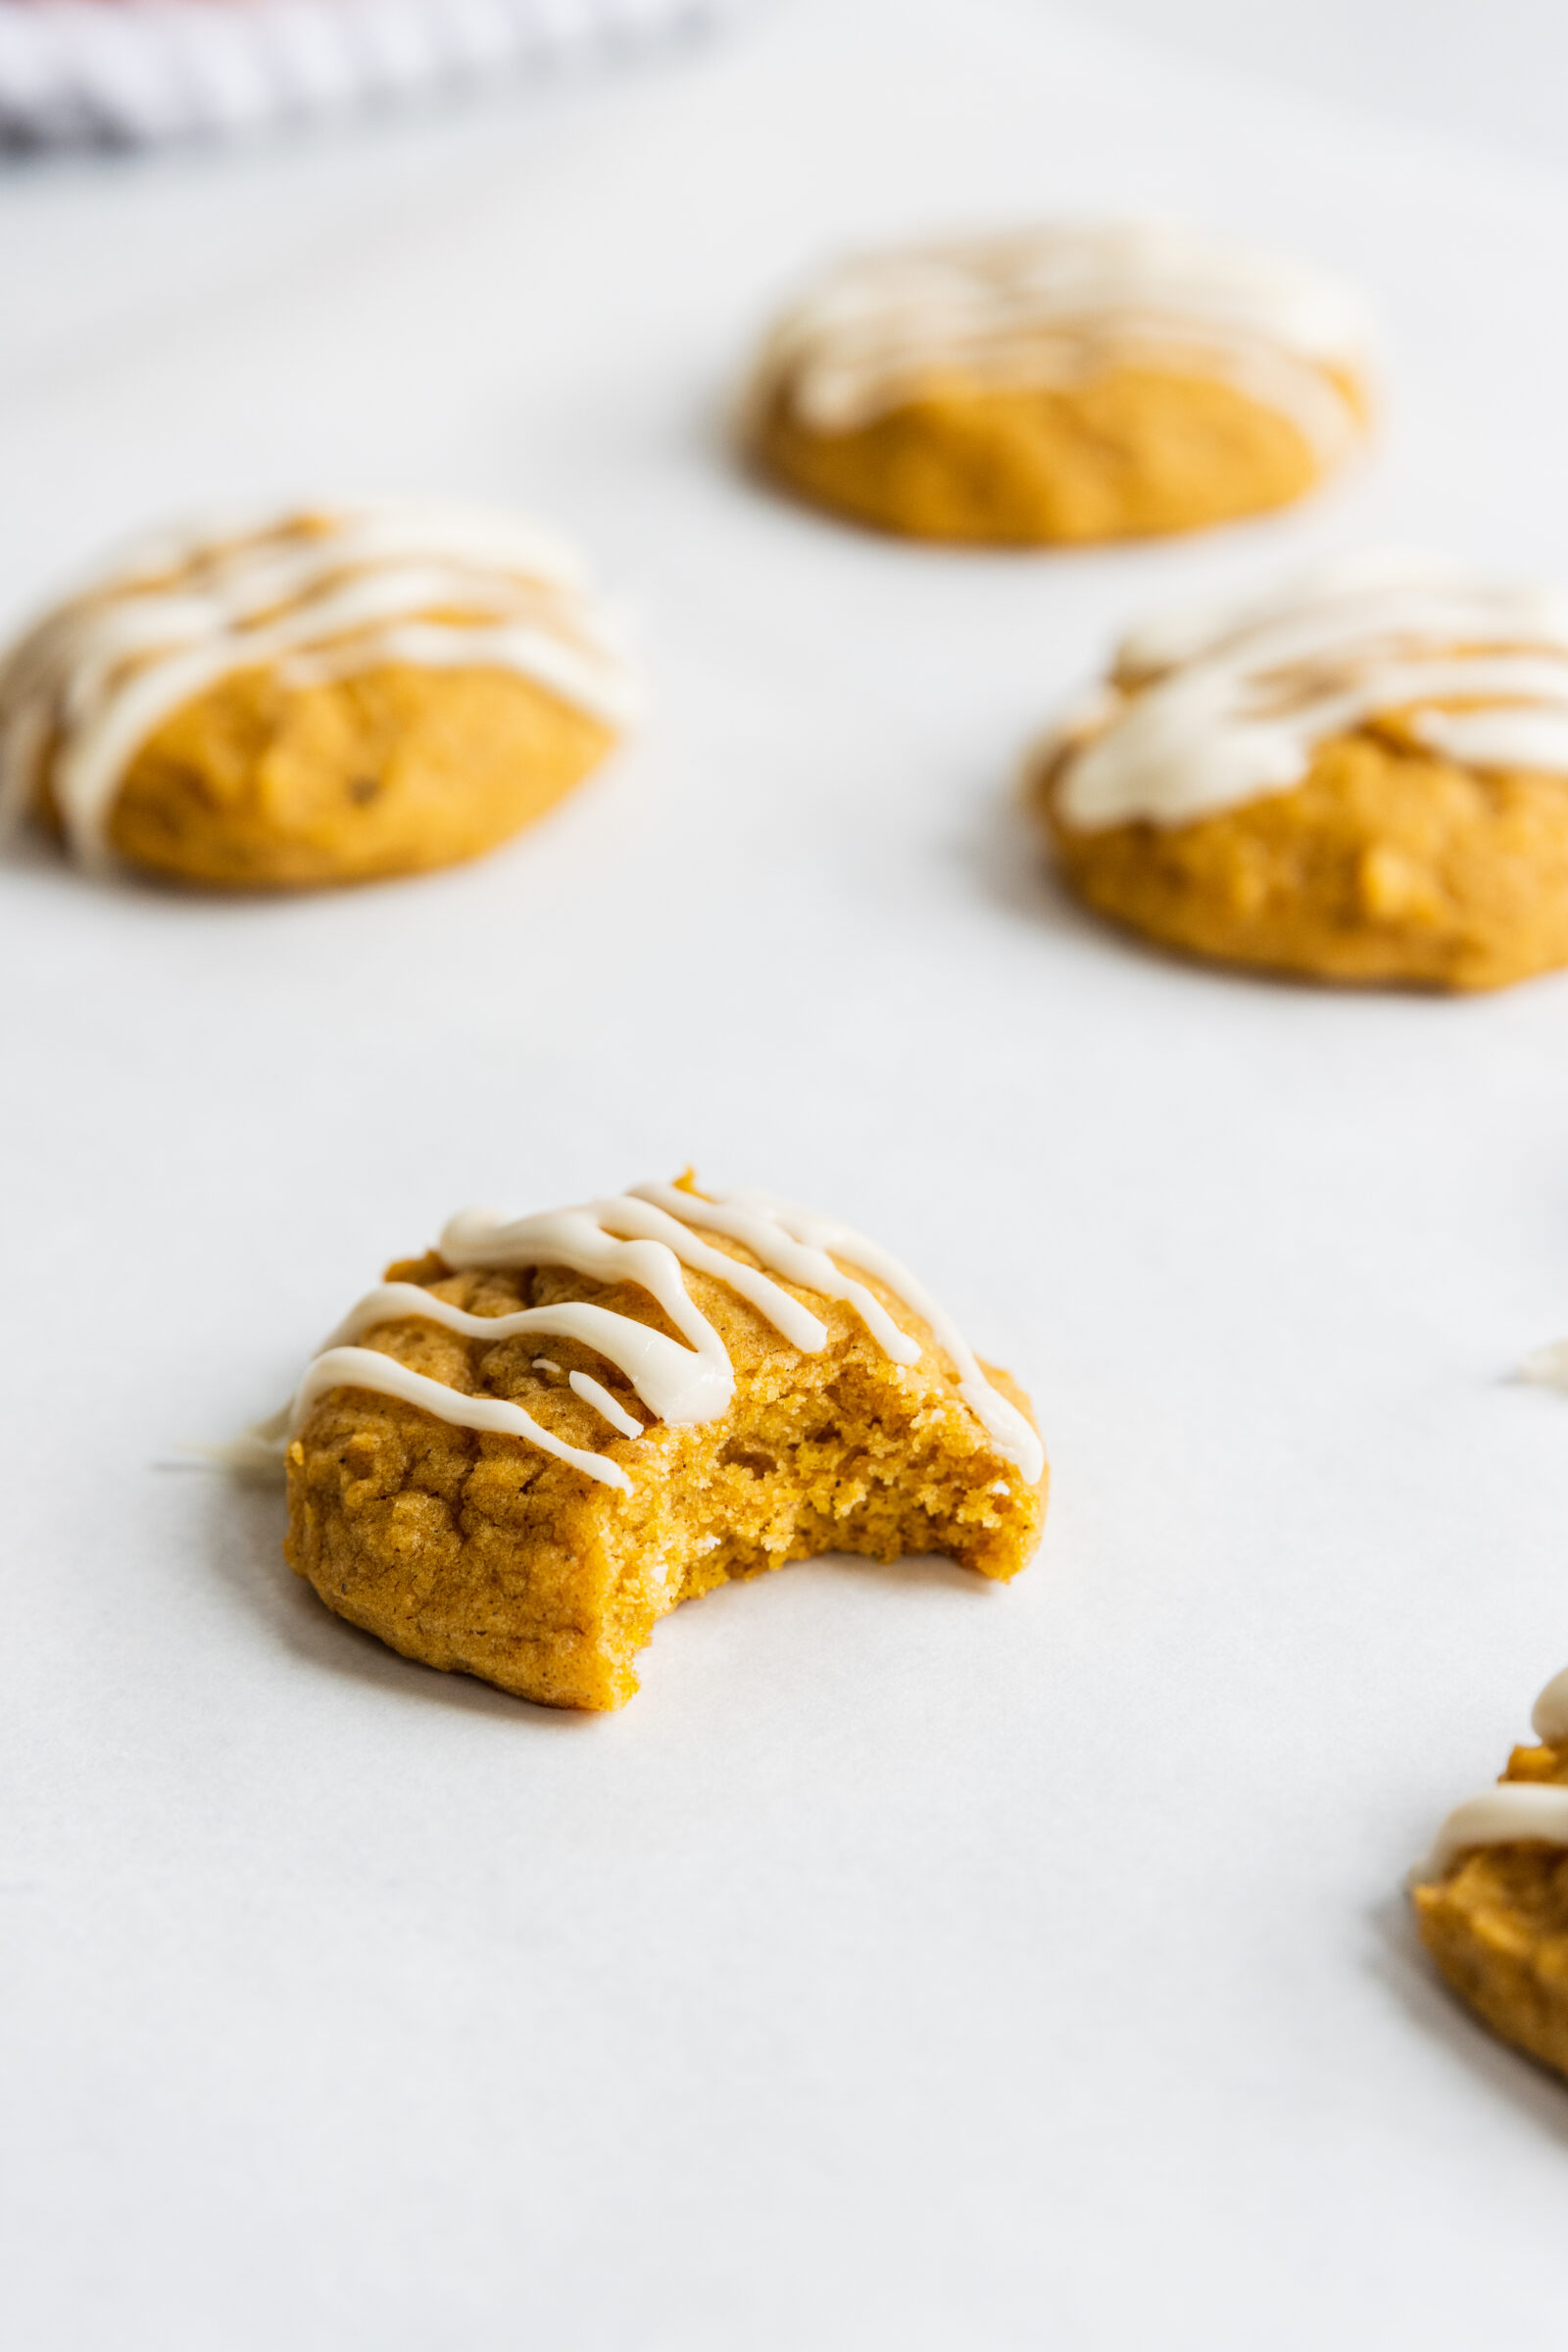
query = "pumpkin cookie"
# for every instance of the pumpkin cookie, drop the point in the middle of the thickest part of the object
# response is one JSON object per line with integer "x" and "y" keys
{"x": 1067, "y": 383}
{"x": 525, "y": 1449}
{"x": 334, "y": 695}
{"x": 1364, "y": 778}
{"x": 1491, "y": 1900}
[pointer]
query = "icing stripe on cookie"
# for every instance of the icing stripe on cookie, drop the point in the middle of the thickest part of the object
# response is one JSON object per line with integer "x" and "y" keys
{"x": 318, "y": 595}
{"x": 1221, "y": 705}
{"x": 1512, "y": 1812}
{"x": 1058, "y": 307}
{"x": 368, "y": 1369}
{"x": 645, "y": 1236}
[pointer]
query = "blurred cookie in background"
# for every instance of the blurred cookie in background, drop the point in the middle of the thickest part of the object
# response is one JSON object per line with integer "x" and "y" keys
{"x": 330, "y": 695}
{"x": 1361, "y": 777}
{"x": 1070, "y": 383}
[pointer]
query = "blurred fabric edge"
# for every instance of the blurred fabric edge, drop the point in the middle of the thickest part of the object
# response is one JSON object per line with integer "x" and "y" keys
{"x": 134, "y": 72}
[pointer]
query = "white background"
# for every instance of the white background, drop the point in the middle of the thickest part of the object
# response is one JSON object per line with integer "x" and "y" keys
{"x": 913, "y": 1964}
{"x": 1494, "y": 73}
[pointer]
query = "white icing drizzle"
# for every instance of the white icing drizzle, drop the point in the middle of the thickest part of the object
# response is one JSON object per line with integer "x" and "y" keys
{"x": 319, "y": 593}
{"x": 368, "y": 1368}
{"x": 1058, "y": 307}
{"x": 594, "y": 1393}
{"x": 645, "y": 1236}
{"x": 1512, "y": 1812}
{"x": 1220, "y": 705}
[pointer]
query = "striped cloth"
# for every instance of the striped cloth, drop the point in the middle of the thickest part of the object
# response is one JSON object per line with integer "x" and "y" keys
{"x": 131, "y": 72}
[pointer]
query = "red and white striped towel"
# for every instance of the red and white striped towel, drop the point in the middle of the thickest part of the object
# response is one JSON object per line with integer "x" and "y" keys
{"x": 138, "y": 71}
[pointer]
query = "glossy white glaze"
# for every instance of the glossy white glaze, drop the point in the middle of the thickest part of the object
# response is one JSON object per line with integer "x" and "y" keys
{"x": 1061, "y": 306}
{"x": 314, "y": 594}
{"x": 593, "y": 1392}
{"x": 1217, "y": 706}
{"x": 647, "y": 1236}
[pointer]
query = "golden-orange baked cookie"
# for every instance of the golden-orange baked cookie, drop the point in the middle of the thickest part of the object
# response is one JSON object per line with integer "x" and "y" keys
{"x": 522, "y": 1449}
{"x": 1491, "y": 1900}
{"x": 1063, "y": 384}
{"x": 328, "y": 696}
{"x": 1364, "y": 778}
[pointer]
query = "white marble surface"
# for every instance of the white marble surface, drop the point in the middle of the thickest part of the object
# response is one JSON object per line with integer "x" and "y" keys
{"x": 912, "y": 1964}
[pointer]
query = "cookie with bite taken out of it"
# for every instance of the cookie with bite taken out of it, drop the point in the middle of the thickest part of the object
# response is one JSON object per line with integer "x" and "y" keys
{"x": 525, "y": 1449}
